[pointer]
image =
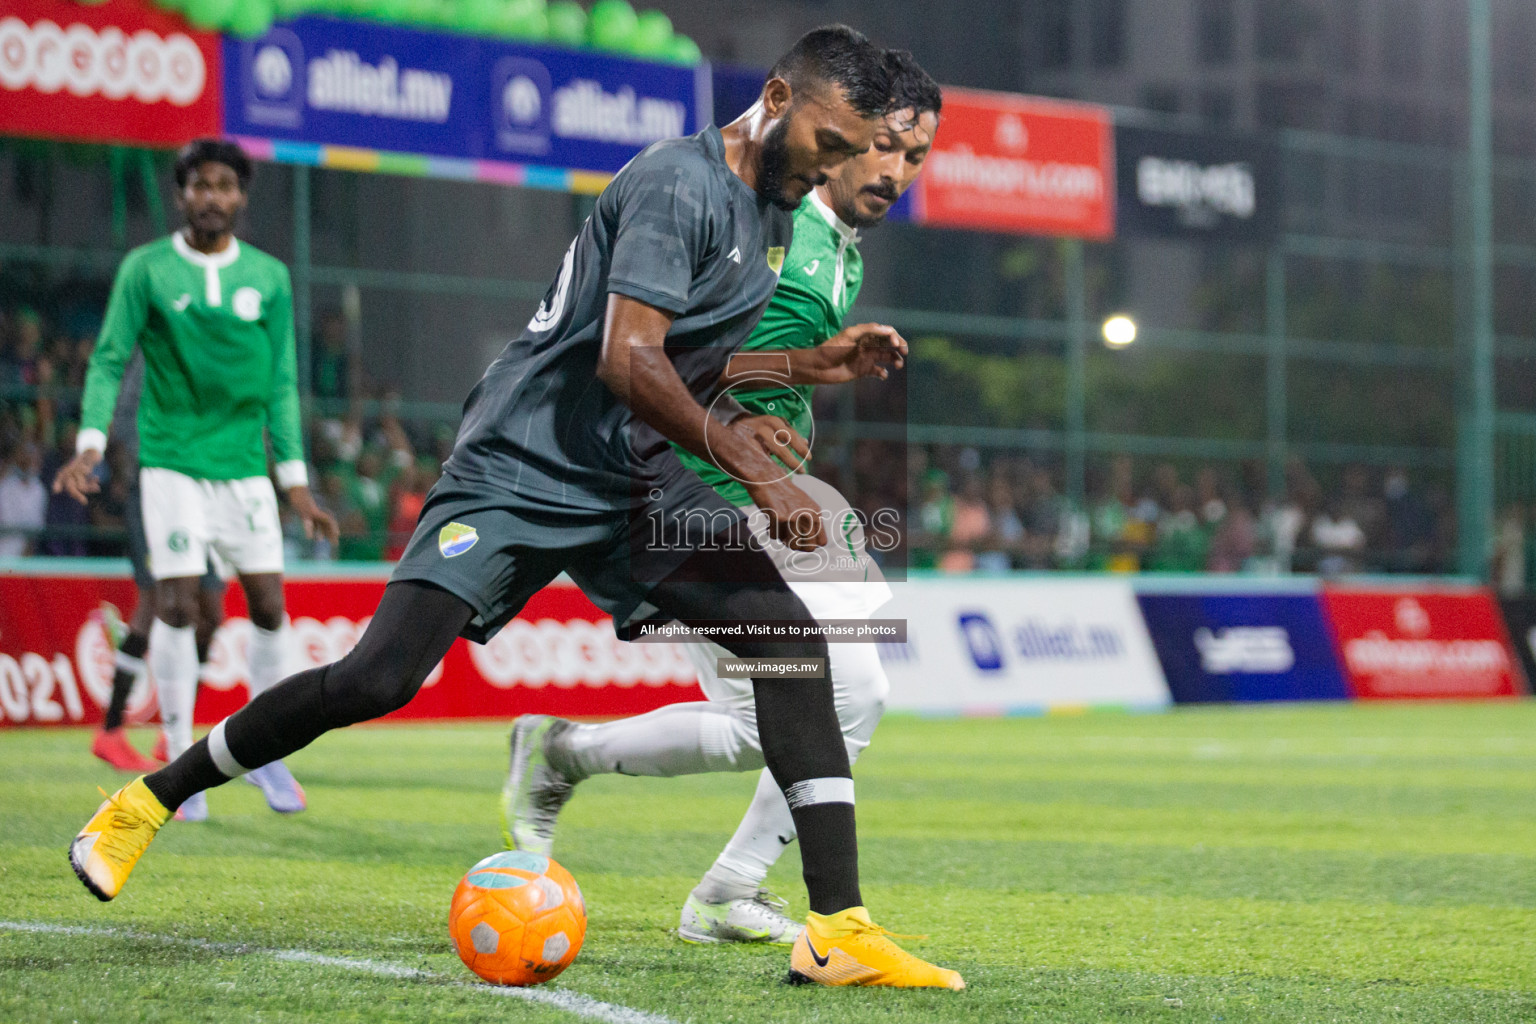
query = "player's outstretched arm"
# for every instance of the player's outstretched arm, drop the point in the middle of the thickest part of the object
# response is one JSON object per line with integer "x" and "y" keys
{"x": 316, "y": 520}
{"x": 283, "y": 420}
{"x": 77, "y": 478}
{"x": 127, "y": 312}
{"x": 863, "y": 350}
{"x": 635, "y": 367}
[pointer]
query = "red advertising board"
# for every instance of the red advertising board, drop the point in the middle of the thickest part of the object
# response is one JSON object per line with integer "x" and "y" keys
{"x": 1414, "y": 645}
{"x": 1014, "y": 163}
{"x": 119, "y": 71}
{"x": 559, "y": 656}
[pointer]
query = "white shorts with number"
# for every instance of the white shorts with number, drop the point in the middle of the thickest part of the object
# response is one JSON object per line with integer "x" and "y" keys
{"x": 187, "y": 519}
{"x": 831, "y": 587}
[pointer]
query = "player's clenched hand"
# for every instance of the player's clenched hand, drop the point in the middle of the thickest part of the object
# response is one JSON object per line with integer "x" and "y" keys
{"x": 793, "y": 518}
{"x": 778, "y": 440}
{"x": 315, "y": 519}
{"x": 76, "y": 478}
{"x": 863, "y": 350}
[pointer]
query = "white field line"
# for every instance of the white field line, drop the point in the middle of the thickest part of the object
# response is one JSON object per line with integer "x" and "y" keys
{"x": 561, "y": 999}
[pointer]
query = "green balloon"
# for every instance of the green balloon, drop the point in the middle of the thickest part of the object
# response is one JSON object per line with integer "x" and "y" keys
{"x": 652, "y": 35}
{"x": 209, "y": 14}
{"x": 611, "y": 25}
{"x": 389, "y": 11}
{"x": 522, "y": 19}
{"x": 293, "y": 8}
{"x": 683, "y": 50}
{"x": 250, "y": 18}
{"x": 567, "y": 23}
{"x": 477, "y": 17}
{"x": 530, "y": 25}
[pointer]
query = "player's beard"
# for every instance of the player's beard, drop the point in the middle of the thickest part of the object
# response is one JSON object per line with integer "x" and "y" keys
{"x": 210, "y": 222}
{"x": 884, "y": 191}
{"x": 773, "y": 166}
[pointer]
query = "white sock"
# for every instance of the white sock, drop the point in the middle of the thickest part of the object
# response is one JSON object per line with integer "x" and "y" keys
{"x": 679, "y": 739}
{"x": 266, "y": 658}
{"x": 173, "y": 660}
{"x": 766, "y": 830}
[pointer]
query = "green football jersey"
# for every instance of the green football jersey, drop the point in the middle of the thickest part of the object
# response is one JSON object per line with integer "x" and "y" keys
{"x": 818, "y": 284}
{"x": 217, "y": 337}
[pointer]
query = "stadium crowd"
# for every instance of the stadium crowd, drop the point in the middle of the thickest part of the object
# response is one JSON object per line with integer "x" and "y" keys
{"x": 1009, "y": 513}
{"x": 964, "y": 512}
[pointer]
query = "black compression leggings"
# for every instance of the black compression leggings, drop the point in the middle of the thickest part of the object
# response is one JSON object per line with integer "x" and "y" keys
{"x": 416, "y": 623}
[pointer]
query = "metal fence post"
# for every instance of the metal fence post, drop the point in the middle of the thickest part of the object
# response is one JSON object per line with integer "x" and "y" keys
{"x": 301, "y": 283}
{"x": 1474, "y": 468}
{"x": 1077, "y": 371}
{"x": 1275, "y": 398}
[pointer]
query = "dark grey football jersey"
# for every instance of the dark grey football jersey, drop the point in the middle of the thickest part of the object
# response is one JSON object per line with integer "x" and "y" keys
{"x": 675, "y": 229}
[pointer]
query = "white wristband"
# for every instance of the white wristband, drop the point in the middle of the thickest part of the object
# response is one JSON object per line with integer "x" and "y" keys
{"x": 89, "y": 439}
{"x": 292, "y": 473}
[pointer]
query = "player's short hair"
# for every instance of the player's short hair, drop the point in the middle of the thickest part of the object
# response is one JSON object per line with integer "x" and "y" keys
{"x": 218, "y": 151}
{"x": 912, "y": 88}
{"x": 841, "y": 56}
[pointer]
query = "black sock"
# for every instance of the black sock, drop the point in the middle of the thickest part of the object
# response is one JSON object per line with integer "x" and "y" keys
{"x": 412, "y": 629}
{"x": 283, "y": 719}
{"x": 190, "y": 773}
{"x": 801, "y": 740}
{"x": 134, "y": 646}
{"x": 831, "y": 862}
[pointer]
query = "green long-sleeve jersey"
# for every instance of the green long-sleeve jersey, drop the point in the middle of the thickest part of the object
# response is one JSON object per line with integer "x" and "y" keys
{"x": 817, "y": 287}
{"x": 217, "y": 336}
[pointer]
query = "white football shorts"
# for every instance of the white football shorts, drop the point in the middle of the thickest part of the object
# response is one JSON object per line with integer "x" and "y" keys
{"x": 186, "y": 519}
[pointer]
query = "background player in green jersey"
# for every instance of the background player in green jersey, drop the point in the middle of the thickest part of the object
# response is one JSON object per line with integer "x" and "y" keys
{"x": 214, "y": 320}
{"x": 131, "y": 638}
{"x": 799, "y": 342}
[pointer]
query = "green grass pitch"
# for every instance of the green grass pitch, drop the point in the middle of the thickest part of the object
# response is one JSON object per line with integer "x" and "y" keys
{"x": 1312, "y": 863}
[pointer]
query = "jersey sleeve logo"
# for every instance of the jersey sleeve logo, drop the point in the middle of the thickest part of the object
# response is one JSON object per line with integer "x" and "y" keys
{"x": 456, "y": 538}
{"x": 776, "y": 258}
{"x": 812, "y": 267}
{"x": 247, "y": 304}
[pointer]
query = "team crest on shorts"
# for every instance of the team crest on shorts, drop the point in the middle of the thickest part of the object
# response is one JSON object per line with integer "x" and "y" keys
{"x": 776, "y": 258}
{"x": 455, "y": 539}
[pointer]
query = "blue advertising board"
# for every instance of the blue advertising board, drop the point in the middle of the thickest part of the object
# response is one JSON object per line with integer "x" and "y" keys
{"x": 355, "y": 84}
{"x": 1244, "y": 647}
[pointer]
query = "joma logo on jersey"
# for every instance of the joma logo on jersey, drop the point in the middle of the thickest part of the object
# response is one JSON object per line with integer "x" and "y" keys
{"x": 455, "y": 539}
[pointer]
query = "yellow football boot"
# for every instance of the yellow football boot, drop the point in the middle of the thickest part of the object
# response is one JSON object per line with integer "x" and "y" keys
{"x": 848, "y": 949}
{"x": 105, "y": 851}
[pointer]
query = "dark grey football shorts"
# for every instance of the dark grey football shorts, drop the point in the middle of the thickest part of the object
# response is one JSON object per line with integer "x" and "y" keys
{"x": 495, "y": 549}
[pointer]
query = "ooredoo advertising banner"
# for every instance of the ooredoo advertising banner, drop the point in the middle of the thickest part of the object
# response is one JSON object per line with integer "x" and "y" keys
{"x": 1244, "y": 647}
{"x": 559, "y": 656}
{"x": 119, "y": 71}
{"x": 1399, "y": 644}
{"x": 1020, "y": 164}
{"x": 1020, "y": 646}
{"x": 379, "y": 87}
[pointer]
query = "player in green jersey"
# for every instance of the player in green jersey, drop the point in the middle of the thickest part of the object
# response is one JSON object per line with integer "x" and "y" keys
{"x": 214, "y": 320}
{"x": 799, "y": 342}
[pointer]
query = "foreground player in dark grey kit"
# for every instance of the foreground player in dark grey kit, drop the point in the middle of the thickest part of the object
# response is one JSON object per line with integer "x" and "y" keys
{"x": 563, "y": 463}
